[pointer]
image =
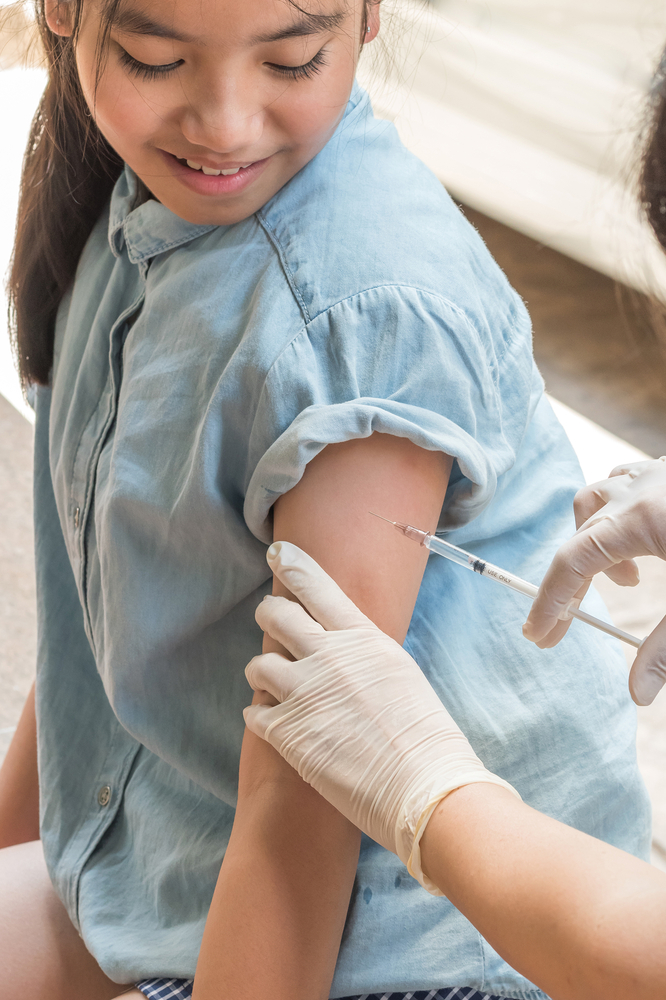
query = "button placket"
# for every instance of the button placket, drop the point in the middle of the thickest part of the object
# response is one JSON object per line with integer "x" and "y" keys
{"x": 106, "y": 411}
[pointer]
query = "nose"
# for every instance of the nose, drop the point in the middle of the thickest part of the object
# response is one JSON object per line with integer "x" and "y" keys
{"x": 224, "y": 119}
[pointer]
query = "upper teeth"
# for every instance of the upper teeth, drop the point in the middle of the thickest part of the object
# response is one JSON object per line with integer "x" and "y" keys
{"x": 209, "y": 170}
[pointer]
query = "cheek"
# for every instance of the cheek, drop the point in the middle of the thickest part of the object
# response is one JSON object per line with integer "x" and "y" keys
{"x": 122, "y": 114}
{"x": 309, "y": 119}
{"x": 119, "y": 110}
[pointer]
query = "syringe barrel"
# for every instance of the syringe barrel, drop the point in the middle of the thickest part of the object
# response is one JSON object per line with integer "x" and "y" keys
{"x": 449, "y": 551}
{"x": 480, "y": 566}
{"x": 509, "y": 580}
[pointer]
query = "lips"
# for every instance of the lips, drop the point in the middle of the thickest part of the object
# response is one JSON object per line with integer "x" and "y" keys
{"x": 214, "y": 181}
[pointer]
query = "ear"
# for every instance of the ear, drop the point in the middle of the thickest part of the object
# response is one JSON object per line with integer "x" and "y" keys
{"x": 58, "y": 15}
{"x": 372, "y": 25}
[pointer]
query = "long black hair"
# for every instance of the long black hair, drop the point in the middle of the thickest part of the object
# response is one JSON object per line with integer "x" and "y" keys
{"x": 69, "y": 170}
{"x": 653, "y": 168}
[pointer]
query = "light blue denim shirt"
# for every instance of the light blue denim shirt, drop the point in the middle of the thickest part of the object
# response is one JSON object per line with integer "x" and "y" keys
{"x": 198, "y": 369}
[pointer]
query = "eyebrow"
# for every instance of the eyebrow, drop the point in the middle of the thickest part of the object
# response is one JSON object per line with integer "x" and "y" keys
{"x": 306, "y": 24}
{"x": 134, "y": 22}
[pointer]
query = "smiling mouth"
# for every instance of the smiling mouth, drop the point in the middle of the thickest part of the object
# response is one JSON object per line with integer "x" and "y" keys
{"x": 210, "y": 171}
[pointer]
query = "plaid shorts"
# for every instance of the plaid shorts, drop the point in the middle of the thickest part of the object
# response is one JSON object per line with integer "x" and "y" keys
{"x": 181, "y": 989}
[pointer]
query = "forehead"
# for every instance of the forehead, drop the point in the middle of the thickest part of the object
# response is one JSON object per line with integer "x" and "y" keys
{"x": 250, "y": 21}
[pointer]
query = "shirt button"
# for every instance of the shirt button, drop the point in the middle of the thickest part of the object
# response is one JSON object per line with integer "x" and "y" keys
{"x": 104, "y": 795}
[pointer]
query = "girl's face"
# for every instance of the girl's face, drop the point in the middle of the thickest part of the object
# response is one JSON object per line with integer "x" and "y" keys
{"x": 250, "y": 90}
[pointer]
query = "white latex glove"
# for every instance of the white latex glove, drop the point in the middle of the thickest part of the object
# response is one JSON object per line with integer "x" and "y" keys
{"x": 357, "y": 717}
{"x": 619, "y": 518}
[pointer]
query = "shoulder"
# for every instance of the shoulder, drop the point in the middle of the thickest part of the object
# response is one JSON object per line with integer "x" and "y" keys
{"x": 366, "y": 213}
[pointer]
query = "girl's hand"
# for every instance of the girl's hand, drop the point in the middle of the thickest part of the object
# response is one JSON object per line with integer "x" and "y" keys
{"x": 617, "y": 519}
{"x": 356, "y": 716}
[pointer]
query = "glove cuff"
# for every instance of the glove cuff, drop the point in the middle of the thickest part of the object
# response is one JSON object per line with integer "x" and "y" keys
{"x": 413, "y": 862}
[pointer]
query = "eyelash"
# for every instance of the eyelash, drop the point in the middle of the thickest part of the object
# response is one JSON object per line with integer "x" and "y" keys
{"x": 144, "y": 69}
{"x": 148, "y": 72}
{"x": 305, "y": 72}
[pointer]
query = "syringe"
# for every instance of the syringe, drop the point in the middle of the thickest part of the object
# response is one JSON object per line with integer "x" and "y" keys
{"x": 502, "y": 576}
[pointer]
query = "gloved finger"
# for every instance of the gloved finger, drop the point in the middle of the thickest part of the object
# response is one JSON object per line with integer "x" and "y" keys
{"x": 574, "y": 565}
{"x": 624, "y": 573}
{"x": 557, "y": 633}
{"x": 560, "y": 629}
{"x": 314, "y": 588}
{"x": 635, "y": 469}
{"x": 273, "y": 673}
{"x": 290, "y": 625}
{"x": 258, "y": 718}
{"x": 591, "y": 499}
{"x": 648, "y": 672}
{"x": 622, "y": 531}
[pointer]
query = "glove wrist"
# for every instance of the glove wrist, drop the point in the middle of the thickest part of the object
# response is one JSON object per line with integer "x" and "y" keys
{"x": 412, "y": 846}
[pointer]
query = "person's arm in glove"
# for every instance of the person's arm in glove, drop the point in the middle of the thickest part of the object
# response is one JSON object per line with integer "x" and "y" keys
{"x": 360, "y": 722}
{"x": 617, "y": 519}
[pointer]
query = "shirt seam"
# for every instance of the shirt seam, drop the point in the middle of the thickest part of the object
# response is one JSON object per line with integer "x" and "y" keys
{"x": 371, "y": 288}
{"x": 277, "y": 246}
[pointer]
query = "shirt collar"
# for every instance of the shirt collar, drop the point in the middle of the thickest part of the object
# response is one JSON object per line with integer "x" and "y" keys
{"x": 147, "y": 229}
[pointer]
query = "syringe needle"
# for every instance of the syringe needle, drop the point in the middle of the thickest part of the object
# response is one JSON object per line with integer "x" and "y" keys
{"x": 383, "y": 518}
{"x": 408, "y": 530}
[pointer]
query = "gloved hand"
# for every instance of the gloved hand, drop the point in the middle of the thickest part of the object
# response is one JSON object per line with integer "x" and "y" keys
{"x": 357, "y": 717}
{"x": 619, "y": 518}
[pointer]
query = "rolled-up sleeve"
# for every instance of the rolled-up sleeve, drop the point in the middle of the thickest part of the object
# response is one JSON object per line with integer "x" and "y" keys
{"x": 393, "y": 360}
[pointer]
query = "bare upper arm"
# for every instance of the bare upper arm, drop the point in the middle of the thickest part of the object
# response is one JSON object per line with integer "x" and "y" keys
{"x": 326, "y": 514}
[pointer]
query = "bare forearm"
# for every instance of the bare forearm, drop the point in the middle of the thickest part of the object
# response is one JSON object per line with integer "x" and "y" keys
{"x": 581, "y": 919}
{"x": 278, "y": 913}
{"x": 19, "y": 784}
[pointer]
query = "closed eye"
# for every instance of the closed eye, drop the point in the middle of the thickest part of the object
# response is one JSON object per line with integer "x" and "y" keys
{"x": 145, "y": 70}
{"x": 304, "y": 72}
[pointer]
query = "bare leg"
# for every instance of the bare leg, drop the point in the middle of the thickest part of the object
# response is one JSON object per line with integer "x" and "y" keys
{"x": 43, "y": 957}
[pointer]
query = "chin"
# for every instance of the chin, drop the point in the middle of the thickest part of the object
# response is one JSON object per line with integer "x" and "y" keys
{"x": 208, "y": 215}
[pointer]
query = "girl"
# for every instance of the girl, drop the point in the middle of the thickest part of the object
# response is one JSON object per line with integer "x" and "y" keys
{"x": 247, "y": 310}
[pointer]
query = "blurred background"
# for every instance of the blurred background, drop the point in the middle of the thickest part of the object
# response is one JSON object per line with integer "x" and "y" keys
{"x": 530, "y": 113}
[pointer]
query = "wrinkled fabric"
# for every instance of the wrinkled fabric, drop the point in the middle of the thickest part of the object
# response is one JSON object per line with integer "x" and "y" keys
{"x": 198, "y": 370}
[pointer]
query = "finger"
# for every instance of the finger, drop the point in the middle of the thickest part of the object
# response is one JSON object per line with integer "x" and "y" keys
{"x": 314, "y": 588}
{"x": 556, "y": 634}
{"x": 560, "y": 629}
{"x": 574, "y": 565}
{"x": 588, "y": 501}
{"x": 273, "y": 673}
{"x": 289, "y": 624}
{"x": 634, "y": 469}
{"x": 258, "y": 718}
{"x": 648, "y": 672}
{"x": 624, "y": 573}
{"x": 593, "y": 498}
